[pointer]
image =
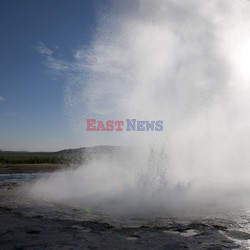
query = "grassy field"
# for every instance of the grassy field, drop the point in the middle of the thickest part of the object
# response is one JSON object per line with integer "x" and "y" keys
{"x": 66, "y": 157}
{"x": 23, "y": 162}
{"x": 40, "y": 158}
{"x": 30, "y": 158}
{"x": 29, "y": 168}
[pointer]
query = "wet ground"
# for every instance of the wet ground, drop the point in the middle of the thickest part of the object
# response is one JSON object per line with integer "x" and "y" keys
{"x": 31, "y": 224}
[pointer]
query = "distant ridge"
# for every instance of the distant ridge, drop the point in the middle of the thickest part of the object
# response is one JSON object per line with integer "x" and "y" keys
{"x": 66, "y": 156}
{"x": 94, "y": 149}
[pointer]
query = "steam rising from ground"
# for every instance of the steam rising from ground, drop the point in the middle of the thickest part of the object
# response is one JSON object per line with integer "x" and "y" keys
{"x": 184, "y": 62}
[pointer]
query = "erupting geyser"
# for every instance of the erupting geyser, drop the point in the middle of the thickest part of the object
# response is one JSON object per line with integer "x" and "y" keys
{"x": 183, "y": 62}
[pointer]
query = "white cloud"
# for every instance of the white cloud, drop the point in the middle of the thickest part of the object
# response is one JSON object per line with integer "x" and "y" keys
{"x": 2, "y": 99}
{"x": 58, "y": 66}
{"x": 42, "y": 49}
{"x": 98, "y": 59}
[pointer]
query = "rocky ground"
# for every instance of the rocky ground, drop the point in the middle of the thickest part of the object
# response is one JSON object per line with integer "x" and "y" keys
{"x": 22, "y": 228}
{"x": 20, "y": 232}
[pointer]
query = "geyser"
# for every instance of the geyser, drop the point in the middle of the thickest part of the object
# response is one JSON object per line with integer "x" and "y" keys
{"x": 183, "y": 62}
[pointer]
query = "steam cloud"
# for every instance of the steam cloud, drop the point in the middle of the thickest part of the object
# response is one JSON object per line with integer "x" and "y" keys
{"x": 184, "y": 62}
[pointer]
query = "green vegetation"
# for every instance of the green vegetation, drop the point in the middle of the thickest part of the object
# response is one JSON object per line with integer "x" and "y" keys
{"x": 30, "y": 158}
{"x": 37, "y": 158}
{"x": 66, "y": 157}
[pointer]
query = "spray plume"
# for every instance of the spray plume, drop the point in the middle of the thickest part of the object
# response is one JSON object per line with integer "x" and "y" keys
{"x": 184, "y": 62}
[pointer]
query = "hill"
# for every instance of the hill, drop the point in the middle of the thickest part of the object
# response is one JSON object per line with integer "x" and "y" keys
{"x": 66, "y": 156}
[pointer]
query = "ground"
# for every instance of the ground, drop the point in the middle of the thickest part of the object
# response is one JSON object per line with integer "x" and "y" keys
{"x": 27, "y": 226}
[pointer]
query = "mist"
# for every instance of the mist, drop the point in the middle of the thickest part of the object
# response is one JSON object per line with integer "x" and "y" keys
{"x": 183, "y": 62}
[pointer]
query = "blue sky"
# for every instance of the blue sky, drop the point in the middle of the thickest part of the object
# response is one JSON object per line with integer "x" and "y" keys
{"x": 32, "y": 115}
